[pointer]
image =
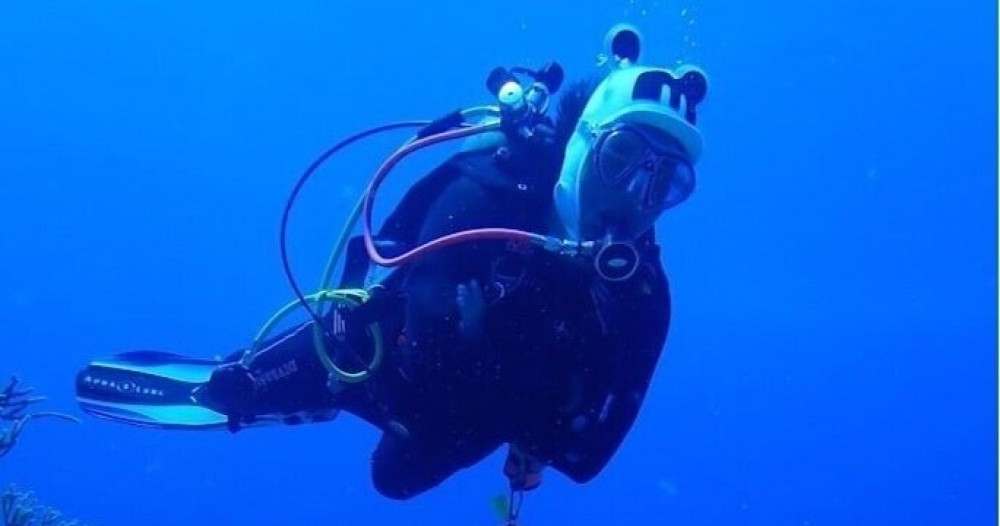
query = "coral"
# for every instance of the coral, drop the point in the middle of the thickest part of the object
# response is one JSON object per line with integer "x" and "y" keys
{"x": 21, "y": 509}
{"x": 14, "y": 403}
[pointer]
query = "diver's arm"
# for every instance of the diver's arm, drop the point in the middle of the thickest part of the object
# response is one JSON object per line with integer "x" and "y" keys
{"x": 444, "y": 323}
{"x": 440, "y": 343}
{"x": 600, "y": 440}
{"x": 637, "y": 338}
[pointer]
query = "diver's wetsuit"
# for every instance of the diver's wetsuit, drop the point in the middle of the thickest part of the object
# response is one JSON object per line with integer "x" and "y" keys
{"x": 564, "y": 366}
{"x": 610, "y": 342}
{"x": 457, "y": 407}
{"x": 561, "y": 370}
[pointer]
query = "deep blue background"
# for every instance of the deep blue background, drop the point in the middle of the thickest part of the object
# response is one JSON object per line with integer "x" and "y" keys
{"x": 833, "y": 353}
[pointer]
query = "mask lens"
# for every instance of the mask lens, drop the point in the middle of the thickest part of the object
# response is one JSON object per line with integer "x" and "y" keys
{"x": 672, "y": 183}
{"x": 648, "y": 166}
{"x": 619, "y": 155}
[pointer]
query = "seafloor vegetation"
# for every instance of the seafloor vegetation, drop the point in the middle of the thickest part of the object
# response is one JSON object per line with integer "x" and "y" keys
{"x": 20, "y": 508}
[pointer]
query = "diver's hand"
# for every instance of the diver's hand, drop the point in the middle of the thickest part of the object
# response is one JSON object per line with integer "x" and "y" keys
{"x": 471, "y": 310}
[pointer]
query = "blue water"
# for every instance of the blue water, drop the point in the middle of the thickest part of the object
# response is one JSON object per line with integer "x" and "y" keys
{"x": 832, "y": 358}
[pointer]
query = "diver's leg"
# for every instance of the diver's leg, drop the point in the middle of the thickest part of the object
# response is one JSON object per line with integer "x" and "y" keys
{"x": 403, "y": 468}
{"x": 284, "y": 380}
{"x": 282, "y": 383}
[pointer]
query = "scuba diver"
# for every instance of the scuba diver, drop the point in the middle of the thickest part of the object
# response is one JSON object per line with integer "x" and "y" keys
{"x": 524, "y": 304}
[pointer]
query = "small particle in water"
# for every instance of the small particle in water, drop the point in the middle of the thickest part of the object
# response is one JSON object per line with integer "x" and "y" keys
{"x": 684, "y": 11}
{"x": 667, "y": 487}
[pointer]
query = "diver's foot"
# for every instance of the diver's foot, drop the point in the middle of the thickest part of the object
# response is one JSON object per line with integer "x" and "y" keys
{"x": 229, "y": 391}
{"x": 471, "y": 310}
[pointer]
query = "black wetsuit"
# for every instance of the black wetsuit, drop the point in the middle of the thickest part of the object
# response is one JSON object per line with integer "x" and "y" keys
{"x": 562, "y": 368}
{"x": 458, "y": 405}
{"x": 567, "y": 358}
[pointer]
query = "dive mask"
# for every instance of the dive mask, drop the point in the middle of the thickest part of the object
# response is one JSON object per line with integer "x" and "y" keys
{"x": 632, "y": 154}
{"x": 648, "y": 166}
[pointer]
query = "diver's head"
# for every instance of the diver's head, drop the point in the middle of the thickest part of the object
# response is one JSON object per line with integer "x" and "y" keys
{"x": 632, "y": 154}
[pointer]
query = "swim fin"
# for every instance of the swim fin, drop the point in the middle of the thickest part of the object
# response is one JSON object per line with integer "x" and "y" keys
{"x": 149, "y": 389}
